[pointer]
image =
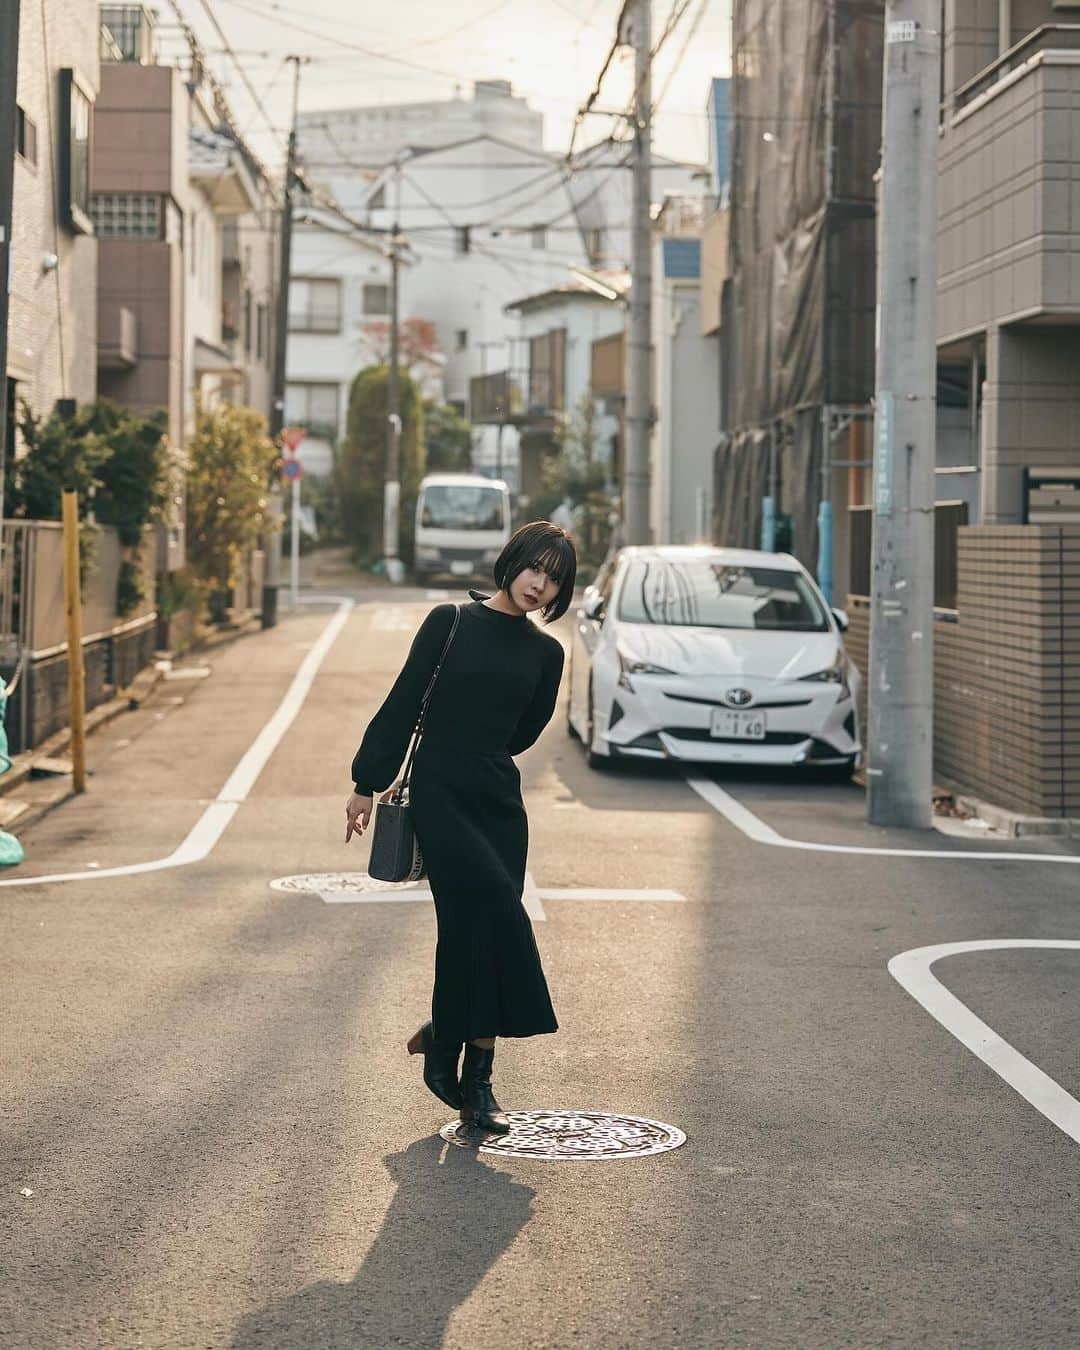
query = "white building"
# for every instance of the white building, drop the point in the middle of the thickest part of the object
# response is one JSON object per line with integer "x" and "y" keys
{"x": 52, "y": 338}
{"x": 339, "y": 305}
{"x": 339, "y": 143}
{"x": 686, "y": 382}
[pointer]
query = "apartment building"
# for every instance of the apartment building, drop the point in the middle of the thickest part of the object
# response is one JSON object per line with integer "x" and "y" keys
{"x": 185, "y": 220}
{"x": 53, "y": 314}
{"x": 1009, "y": 259}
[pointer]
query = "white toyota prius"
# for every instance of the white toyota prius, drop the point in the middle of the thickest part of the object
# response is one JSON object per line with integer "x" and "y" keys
{"x": 715, "y": 655}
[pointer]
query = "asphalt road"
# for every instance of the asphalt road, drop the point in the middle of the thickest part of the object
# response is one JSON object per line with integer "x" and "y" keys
{"x": 203, "y": 1080}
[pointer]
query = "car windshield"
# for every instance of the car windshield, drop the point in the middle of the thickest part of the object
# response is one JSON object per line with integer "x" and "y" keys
{"x": 462, "y": 507}
{"x": 707, "y": 593}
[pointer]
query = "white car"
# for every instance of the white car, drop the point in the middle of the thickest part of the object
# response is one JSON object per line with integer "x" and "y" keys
{"x": 715, "y": 655}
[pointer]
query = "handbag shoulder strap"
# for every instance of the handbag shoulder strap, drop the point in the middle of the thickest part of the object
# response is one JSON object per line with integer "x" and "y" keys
{"x": 419, "y": 727}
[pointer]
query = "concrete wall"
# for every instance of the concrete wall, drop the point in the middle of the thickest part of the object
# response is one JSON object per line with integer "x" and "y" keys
{"x": 1031, "y": 413}
{"x": 1007, "y": 672}
{"x": 52, "y": 349}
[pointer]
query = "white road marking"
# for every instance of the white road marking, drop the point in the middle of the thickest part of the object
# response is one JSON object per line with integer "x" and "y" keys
{"x": 531, "y": 899}
{"x": 756, "y": 829}
{"x": 214, "y": 821}
{"x": 393, "y": 619}
{"x": 911, "y": 969}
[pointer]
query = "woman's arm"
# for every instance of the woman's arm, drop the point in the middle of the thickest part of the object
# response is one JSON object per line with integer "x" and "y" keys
{"x": 538, "y": 714}
{"x": 386, "y": 739}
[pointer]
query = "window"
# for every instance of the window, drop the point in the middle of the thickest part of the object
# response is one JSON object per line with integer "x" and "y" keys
{"x": 707, "y": 593}
{"x": 74, "y": 154}
{"x": 376, "y": 298}
{"x": 260, "y": 332}
{"x": 127, "y": 215}
{"x": 461, "y": 340}
{"x": 314, "y": 406}
{"x": 462, "y": 239}
{"x": 25, "y": 135}
{"x": 314, "y": 305}
{"x": 595, "y": 243}
{"x": 538, "y": 236}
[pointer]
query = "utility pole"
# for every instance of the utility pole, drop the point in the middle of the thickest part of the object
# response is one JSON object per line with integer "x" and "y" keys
{"x": 9, "y": 64}
{"x": 392, "y": 485}
{"x": 272, "y": 576}
{"x": 639, "y": 400}
{"x": 902, "y": 606}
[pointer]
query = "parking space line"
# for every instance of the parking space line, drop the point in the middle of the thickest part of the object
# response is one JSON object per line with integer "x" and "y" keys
{"x": 911, "y": 969}
{"x": 756, "y": 829}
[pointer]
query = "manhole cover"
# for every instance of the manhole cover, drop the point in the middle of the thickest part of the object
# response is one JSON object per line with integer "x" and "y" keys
{"x": 570, "y": 1136}
{"x": 344, "y": 883}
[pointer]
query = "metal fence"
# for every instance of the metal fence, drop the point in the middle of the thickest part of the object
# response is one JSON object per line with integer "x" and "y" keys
{"x": 948, "y": 518}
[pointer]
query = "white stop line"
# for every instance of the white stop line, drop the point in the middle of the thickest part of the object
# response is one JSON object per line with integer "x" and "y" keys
{"x": 912, "y": 970}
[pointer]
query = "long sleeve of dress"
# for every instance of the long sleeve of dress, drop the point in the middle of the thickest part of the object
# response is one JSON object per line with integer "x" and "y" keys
{"x": 538, "y": 714}
{"x": 382, "y": 750}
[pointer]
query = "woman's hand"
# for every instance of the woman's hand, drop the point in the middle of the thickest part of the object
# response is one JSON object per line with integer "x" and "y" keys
{"x": 358, "y": 812}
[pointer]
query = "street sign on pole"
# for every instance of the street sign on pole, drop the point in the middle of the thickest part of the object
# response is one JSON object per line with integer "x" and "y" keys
{"x": 294, "y": 561}
{"x": 291, "y": 438}
{"x": 292, "y": 469}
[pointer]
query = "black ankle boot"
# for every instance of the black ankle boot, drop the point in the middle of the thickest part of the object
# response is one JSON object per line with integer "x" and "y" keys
{"x": 478, "y": 1104}
{"x": 440, "y": 1064}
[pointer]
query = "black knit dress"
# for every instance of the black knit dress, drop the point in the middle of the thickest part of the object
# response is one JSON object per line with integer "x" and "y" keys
{"x": 494, "y": 695}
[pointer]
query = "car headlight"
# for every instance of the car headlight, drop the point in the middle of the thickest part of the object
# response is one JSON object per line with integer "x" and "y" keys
{"x": 628, "y": 666}
{"x": 427, "y": 554}
{"x": 834, "y": 674}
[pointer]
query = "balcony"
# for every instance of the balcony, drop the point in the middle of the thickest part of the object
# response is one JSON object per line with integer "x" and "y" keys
{"x": 515, "y": 398}
{"x": 1008, "y": 212}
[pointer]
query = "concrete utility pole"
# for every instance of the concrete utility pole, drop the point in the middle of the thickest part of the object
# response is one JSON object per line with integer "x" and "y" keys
{"x": 902, "y": 614}
{"x": 281, "y": 342}
{"x": 9, "y": 64}
{"x": 639, "y": 393}
{"x": 392, "y": 486}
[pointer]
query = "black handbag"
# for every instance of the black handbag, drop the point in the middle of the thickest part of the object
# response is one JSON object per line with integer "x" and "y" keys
{"x": 395, "y": 850}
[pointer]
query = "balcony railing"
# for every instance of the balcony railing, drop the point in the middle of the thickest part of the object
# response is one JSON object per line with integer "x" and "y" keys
{"x": 1050, "y": 37}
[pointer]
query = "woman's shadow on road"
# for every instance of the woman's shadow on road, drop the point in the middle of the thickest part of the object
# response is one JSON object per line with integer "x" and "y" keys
{"x": 446, "y": 1226}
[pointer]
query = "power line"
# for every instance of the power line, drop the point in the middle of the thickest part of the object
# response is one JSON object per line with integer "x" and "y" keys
{"x": 235, "y": 60}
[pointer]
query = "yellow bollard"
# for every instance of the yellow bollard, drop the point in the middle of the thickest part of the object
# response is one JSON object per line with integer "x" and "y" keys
{"x": 76, "y": 670}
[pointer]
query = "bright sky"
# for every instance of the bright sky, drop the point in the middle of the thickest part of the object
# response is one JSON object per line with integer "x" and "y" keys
{"x": 411, "y": 50}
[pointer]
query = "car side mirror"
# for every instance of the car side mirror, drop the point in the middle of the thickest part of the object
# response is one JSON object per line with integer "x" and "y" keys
{"x": 593, "y": 606}
{"x": 842, "y": 620}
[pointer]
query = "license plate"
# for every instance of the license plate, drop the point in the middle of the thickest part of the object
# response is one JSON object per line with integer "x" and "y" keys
{"x": 738, "y": 726}
{"x": 461, "y": 569}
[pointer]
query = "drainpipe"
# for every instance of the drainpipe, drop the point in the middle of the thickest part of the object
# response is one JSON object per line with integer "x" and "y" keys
{"x": 825, "y": 511}
{"x": 1004, "y": 26}
{"x": 768, "y": 503}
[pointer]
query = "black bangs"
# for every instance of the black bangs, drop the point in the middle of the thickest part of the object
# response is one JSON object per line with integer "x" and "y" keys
{"x": 545, "y": 546}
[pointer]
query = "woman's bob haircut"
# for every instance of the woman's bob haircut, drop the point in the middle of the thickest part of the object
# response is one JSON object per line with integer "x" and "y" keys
{"x": 541, "y": 545}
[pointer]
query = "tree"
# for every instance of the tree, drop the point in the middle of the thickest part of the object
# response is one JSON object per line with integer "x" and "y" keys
{"x": 361, "y": 462}
{"x": 230, "y": 460}
{"x": 447, "y": 439}
{"x": 114, "y": 459}
{"x": 574, "y": 475}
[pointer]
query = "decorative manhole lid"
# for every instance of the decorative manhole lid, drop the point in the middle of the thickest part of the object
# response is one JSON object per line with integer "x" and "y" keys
{"x": 345, "y": 883}
{"x": 570, "y": 1136}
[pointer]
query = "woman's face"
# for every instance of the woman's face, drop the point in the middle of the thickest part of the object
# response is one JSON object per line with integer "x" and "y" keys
{"x": 533, "y": 589}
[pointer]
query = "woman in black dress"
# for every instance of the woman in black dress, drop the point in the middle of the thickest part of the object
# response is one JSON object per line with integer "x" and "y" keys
{"x": 494, "y": 695}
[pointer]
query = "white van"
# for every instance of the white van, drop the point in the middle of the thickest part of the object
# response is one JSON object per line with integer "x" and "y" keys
{"x": 462, "y": 525}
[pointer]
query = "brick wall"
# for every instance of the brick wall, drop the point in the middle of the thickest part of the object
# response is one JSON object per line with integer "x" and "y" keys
{"x": 1007, "y": 672}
